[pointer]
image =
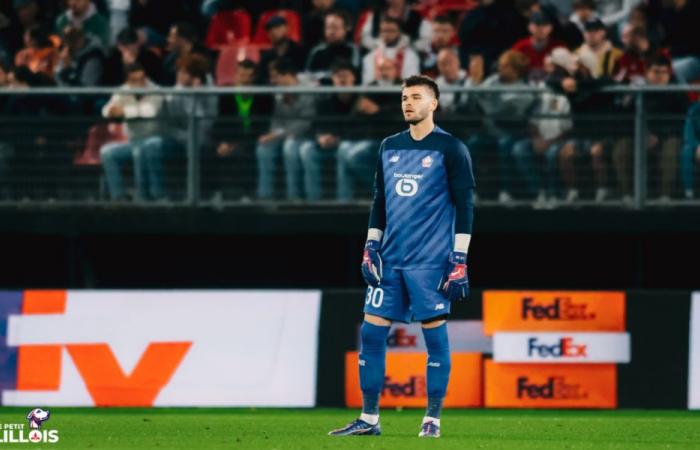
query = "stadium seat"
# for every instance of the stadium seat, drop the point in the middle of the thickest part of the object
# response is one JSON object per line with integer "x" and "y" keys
{"x": 228, "y": 59}
{"x": 99, "y": 135}
{"x": 229, "y": 27}
{"x": 293, "y": 22}
{"x": 361, "y": 20}
{"x": 449, "y": 7}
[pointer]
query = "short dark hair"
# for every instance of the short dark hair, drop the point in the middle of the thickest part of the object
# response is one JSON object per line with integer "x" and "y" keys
{"x": 660, "y": 59}
{"x": 285, "y": 66}
{"x": 342, "y": 64}
{"x": 40, "y": 35}
{"x": 127, "y": 36}
{"x": 443, "y": 19}
{"x": 187, "y": 31}
{"x": 347, "y": 21}
{"x": 393, "y": 20}
{"x": 195, "y": 65}
{"x": 248, "y": 64}
{"x": 422, "y": 80}
{"x": 133, "y": 67}
{"x": 580, "y": 4}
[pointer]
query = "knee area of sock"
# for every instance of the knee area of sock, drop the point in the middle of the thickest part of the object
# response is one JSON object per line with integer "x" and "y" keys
{"x": 436, "y": 340}
{"x": 373, "y": 336}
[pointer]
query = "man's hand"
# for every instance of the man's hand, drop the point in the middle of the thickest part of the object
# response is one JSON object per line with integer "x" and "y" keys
{"x": 115, "y": 111}
{"x": 372, "y": 263}
{"x": 327, "y": 141}
{"x": 367, "y": 106}
{"x": 454, "y": 283}
{"x": 225, "y": 149}
{"x": 267, "y": 138}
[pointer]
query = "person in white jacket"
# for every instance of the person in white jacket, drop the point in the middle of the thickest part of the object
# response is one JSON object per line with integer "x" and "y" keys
{"x": 139, "y": 113}
{"x": 393, "y": 46}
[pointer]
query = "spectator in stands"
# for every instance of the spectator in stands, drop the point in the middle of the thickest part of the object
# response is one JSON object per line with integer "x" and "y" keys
{"x": 639, "y": 18}
{"x": 289, "y": 128}
{"x": 504, "y": 119}
{"x": 183, "y": 41}
{"x": 143, "y": 130}
{"x": 598, "y": 47}
{"x": 28, "y": 14}
{"x": 663, "y": 140}
{"x": 130, "y": 49}
{"x": 573, "y": 30}
{"x": 156, "y": 17}
{"x": 590, "y": 136}
{"x": 332, "y": 128}
{"x": 334, "y": 47}
{"x": 690, "y": 154}
{"x": 631, "y": 66}
{"x": 39, "y": 54}
{"x": 82, "y": 15}
{"x": 393, "y": 46}
{"x": 381, "y": 116}
{"x": 418, "y": 29}
{"x": 493, "y": 27}
{"x": 282, "y": 47}
{"x": 80, "y": 61}
{"x": 549, "y": 130}
{"x": 193, "y": 71}
{"x": 444, "y": 36}
{"x": 313, "y": 23}
{"x": 679, "y": 20}
{"x": 241, "y": 119}
{"x": 451, "y": 74}
{"x": 538, "y": 45}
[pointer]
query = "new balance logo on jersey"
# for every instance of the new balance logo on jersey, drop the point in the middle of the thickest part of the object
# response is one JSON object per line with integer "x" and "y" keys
{"x": 394, "y": 159}
{"x": 427, "y": 162}
{"x": 362, "y": 362}
{"x": 439, "y": 306}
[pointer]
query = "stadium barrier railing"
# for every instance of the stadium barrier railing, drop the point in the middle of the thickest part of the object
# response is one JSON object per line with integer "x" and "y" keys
{"x": 632, "y": 155}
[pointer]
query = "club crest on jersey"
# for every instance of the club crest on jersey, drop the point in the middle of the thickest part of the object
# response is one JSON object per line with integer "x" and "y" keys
{"x": 394, "y": 159}
{"x": 427, "y": 162}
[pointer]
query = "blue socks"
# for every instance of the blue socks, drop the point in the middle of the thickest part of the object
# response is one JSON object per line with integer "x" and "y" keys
{"x": 438, "y": 367}
{"x": 372, "y": 365}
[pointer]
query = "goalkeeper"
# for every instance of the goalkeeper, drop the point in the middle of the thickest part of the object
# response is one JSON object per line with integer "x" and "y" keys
{"x": 415, "y": 258}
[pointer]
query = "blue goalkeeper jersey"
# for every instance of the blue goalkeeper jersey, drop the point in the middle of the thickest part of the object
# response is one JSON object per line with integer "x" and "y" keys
{"x": 423, "y": 191}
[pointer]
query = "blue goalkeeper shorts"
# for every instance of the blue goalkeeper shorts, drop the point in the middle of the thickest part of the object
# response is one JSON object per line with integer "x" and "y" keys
{"x": 407, "y": 295}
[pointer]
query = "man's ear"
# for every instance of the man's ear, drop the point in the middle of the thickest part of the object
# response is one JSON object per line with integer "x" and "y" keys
{"x": 434, "y": 104}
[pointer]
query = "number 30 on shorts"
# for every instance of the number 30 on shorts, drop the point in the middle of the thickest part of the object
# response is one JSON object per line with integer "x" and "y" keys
{"x": 375, "y": 296}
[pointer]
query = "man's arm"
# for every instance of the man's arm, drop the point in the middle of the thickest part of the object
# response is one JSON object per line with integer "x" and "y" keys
{"x": 371, "y": 259}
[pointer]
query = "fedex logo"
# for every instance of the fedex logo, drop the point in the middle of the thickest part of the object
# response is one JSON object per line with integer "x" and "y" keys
{"x": 563, "y": 348}
{"x": 414, "y": 387}
{"x": 554, "y": 388}
{"x": 401, "y": 338}
{"x": 559, "y": 309}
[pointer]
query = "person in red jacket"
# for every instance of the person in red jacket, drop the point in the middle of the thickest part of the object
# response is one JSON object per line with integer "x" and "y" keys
{"x": 538, "y": 45}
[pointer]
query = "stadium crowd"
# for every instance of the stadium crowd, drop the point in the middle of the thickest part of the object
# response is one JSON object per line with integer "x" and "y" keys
{"x": 534, "y": 146}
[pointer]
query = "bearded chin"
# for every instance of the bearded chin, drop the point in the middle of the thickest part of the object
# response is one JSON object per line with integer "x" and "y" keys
{"x": 415, "y": 121}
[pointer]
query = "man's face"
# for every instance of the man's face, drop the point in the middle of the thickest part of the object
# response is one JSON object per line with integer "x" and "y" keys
{"x": 278, "y": 33}
{"x": 129, "y": 48}
{"x": 584, "y": 14}
{"x": 389, "y": 33}
{"x": 334, "y": 30}
{"x": 185, "y": 79}
{"x": 658, "y": 75}
{"x": 594, "y": 38}
{"x": 442, "y": 34}
{"x": 388, "y": 70}
{"x": 136, "y": 79}
{"x": 245, "y": 76}
{"x": 342, "y": 78}
{"x": 448, "y": 65}
{"x": 540, "y": 32}
{"x": 506, "y": 72}
{"x": 79, "y": 7}
{"x": 417, "y": 103}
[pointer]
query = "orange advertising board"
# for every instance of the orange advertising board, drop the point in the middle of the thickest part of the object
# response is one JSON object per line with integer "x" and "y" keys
{"x": 550, "y": 385}
{"x": 553, "y": 311}
{"x": 405, "y": 383}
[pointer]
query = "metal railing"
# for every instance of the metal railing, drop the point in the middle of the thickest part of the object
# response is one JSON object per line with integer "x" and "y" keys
{"x": 55, "y": 153}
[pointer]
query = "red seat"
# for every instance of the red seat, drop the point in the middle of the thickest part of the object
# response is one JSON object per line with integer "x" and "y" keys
{"x": 229, "y": 57}
{"x": 445, "y": 7}
{"x": 361, "y": 20}
{"x": 99, "y": 135}
{"x": 229, "y": 27}
{"x": 293, "y": 23}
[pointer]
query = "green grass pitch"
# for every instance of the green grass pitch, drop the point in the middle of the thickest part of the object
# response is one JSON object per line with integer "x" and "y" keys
{"x": 209, "y": 428}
